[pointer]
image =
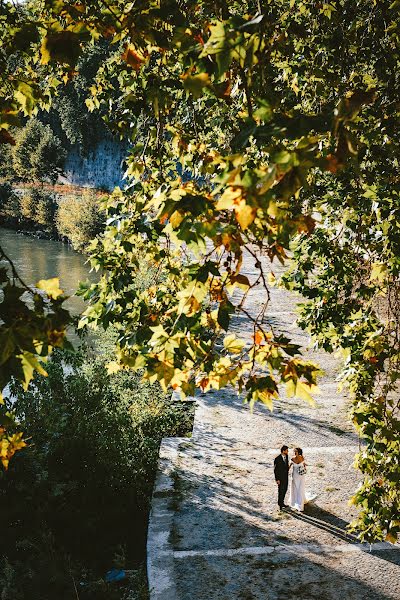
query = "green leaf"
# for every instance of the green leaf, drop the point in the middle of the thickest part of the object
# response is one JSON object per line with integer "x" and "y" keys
{"x": 6, "y": 420}
{"x": 283, "y": 157}
{"x": 224, "y": 314}
{"x": 264, "y": 112}
{"x": 7, "y": 344}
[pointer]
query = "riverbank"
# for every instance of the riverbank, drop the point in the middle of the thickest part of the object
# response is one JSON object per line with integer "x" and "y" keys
{"x": 68, "y": 214}
{"x": 24, "y": 228}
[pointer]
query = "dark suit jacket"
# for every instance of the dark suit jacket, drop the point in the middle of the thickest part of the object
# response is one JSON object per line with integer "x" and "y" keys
{"x": 281, "y": 468}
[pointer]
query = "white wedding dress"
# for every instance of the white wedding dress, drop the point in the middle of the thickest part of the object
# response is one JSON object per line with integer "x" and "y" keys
{"x": 298, "y": 488}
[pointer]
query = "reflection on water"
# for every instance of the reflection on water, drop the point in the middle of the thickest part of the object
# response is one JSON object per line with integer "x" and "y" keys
{"x": 42, "y": 259}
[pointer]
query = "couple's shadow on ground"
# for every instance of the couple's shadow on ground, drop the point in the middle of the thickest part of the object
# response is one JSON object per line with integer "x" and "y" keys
{"x": 319, "y": 518}
{"x": 324, "y": 520}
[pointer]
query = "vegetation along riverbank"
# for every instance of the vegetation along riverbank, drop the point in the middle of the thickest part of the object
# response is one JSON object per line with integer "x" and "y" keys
{"x": 74, "y": 504}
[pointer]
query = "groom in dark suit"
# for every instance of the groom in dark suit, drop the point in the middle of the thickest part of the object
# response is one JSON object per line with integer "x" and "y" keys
{"x": 281, "y": 472}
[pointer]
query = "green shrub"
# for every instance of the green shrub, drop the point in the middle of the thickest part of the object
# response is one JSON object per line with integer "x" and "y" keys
{"x": 27, "y": 204}
{"x": 77, "y": 499}
{"x": 38, "y": 207}
{"x": 80, "y": 219}
{"x": 46, "y": 210}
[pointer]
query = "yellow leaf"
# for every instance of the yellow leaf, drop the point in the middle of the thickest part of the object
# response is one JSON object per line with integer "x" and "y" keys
{"x": 165, "y": 372}
{"x": 179, "y": 378}
{"x": 25, "y": 96}
{"x": 51, "y": 287}
{"x": 233, "y": 344}
{"x": 140, "y": 362}
{"x": 17, "y": 442}
{"x": 9, "y": 446}
{"x": 45, "y": 52}
{"x": 176, "y": 219}
{"x": 234, "y": 177}
{"x": 290, "y": 388}
{"x": 267, "y": 399}
{"x": 29, "y": 364}
{"x": 113, "y": 367}
{"x": 228, "y": 198}
{"x": 304, "y": 391}
{"x": 378, "y": 272}
{"x": 245, "y": 214}
{"x": 194, "y": 84}
{"x": 391, "y": 538}
{"x": 272, "y": 209}
{"x": 294, "y": 85}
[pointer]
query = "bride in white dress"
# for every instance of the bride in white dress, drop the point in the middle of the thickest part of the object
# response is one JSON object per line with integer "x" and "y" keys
{"x": 298, "y": 487}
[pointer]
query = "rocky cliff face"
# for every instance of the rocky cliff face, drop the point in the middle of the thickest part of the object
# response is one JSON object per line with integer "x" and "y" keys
{"x": 102, "y": 167}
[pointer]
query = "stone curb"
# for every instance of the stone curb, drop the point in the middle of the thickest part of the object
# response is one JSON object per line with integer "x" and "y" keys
{"x": 160, "y": 568}
{"x": 160, "y": 561}
{"x": 289, "y": 549}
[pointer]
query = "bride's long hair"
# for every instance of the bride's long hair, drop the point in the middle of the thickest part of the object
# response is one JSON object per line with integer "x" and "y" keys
{"x": 299, "y": 451}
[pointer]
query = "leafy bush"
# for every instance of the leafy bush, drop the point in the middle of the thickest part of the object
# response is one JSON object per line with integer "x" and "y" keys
{"x": 78, "y": 497}
{"x": 38, "y": 207}
{"x": 80, "y": 219}
{"x": 45, "y": 210}
{"x": 27, "y": 204}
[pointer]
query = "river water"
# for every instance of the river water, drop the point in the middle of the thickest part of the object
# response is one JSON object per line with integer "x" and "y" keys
{"x": 37, "y": 259}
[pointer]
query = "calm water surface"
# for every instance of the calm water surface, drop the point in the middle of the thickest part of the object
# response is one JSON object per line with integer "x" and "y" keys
{"x": 42, "y": 259}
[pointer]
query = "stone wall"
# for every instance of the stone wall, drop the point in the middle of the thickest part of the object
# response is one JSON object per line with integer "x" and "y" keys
{"x": 100, "y": 168}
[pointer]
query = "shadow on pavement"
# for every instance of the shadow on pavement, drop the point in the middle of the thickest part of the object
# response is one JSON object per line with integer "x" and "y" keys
{"x": 317, "y": 517}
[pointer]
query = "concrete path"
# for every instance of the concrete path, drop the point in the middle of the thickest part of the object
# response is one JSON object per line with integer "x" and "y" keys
{"x": 215, "y": 532}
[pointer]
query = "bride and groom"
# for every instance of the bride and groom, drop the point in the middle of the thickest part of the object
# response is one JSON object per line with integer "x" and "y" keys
{"x": 282, "y": 466}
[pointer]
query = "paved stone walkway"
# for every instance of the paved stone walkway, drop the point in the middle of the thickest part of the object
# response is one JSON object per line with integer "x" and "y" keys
{"x": 215, "y": 532}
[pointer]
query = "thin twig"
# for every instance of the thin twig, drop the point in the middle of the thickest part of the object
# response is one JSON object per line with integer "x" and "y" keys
{"x": 247, "y": 92}
{"x": 14, "y": 271}
{"x": 75, "y": 588}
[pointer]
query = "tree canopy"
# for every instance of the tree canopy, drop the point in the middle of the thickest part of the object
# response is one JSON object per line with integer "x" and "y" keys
{"x": 254, "y": 126}
{"x": 37, "y": 154}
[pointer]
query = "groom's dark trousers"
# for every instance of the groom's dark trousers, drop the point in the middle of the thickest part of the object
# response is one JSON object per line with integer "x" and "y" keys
{"x": 281, "y": 472}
